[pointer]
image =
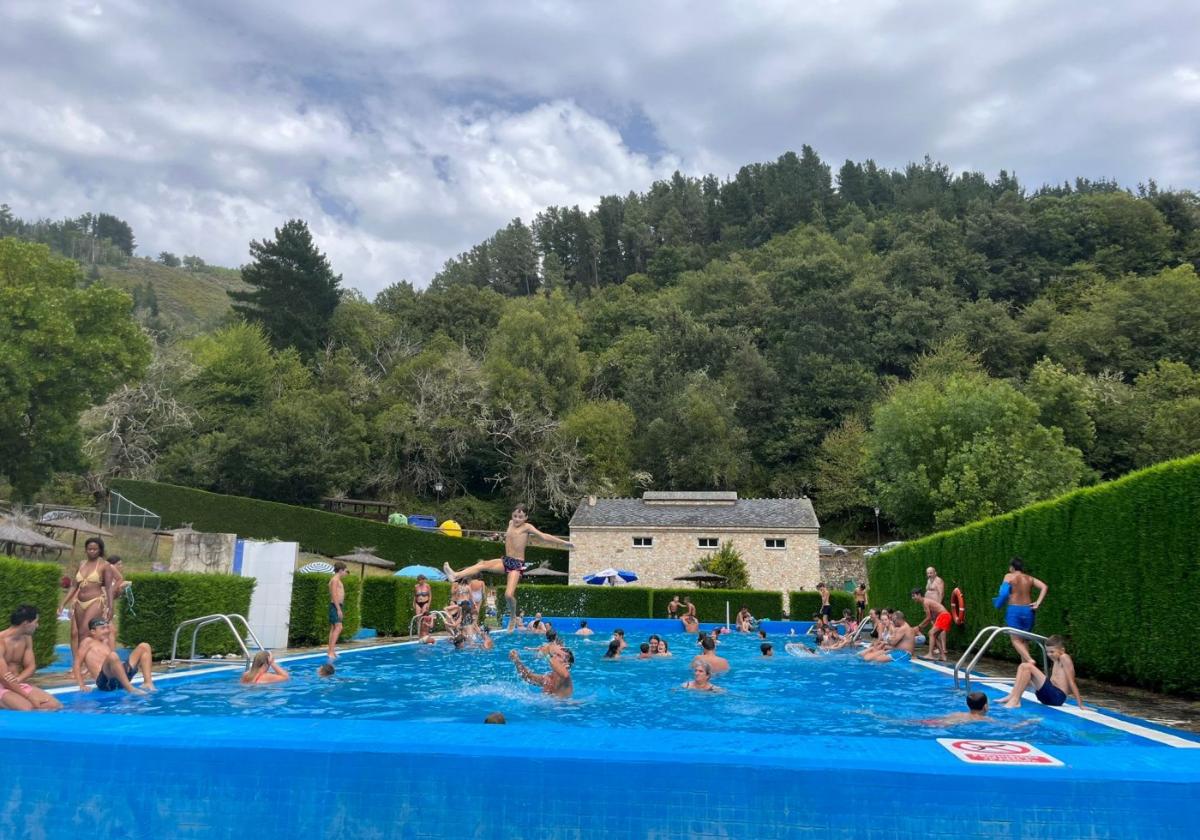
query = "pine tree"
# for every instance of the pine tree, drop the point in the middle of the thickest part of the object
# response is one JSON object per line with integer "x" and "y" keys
{"x": 293, "y": 289}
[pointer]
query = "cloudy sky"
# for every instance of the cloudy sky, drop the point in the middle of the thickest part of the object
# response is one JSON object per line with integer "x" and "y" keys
{"x": 406, "y": 132}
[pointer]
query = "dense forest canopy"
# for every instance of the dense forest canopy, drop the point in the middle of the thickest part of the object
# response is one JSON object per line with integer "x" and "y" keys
{"x": 944, "y": 346}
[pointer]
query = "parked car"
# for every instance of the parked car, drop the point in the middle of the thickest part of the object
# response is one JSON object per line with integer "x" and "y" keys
{"x": 828, "y": 548}
{"x": 887, "y": 546}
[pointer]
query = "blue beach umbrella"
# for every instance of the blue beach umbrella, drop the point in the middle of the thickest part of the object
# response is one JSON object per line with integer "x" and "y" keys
{"x": 428, "y": 571}
{"x": 610, "y": 576}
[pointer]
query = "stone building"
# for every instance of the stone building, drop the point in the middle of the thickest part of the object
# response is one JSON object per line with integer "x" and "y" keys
{"x": 663, "y": 534}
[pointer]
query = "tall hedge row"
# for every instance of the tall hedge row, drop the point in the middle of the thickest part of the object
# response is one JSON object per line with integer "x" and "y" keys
{"x": 36, "y": 584}
{"x": 316, "y": 530}
{"x": 710, "y": 603}
{"x": 387, "y": 603}
{"x": 162, "y": 601}
{"x": 609, "y": 601}
{"x": 309, "y": 623}
{"x": 1122, "y": 562}
{"x": 802, "y": 606}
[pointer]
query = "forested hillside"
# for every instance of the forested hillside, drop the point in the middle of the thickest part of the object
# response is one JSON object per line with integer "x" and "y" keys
{"x": 942, "y": 346}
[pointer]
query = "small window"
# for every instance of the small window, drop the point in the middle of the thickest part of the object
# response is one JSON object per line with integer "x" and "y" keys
{"x": 706, "y": 542}
{"x": 643, "y": 542}
{"x": 775, "y": 542}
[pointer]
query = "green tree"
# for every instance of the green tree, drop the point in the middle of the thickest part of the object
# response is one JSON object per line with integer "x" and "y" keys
{"x": 168, "y": 259}
{"x": 1065, "y": 400}
{"x": 533, "y": 359}
{"x": 728, "y": 563}
{"x": 62, "y": 348}
{"x": 293, "y": 290}
{"x": 842, "y": 489}
{"x": 943, "y": 452}
{"x": 696, "y": 443}
{"x": 603, "y": 431}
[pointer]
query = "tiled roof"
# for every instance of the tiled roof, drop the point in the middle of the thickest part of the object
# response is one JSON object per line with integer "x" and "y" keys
{"x": 739, "y": 513}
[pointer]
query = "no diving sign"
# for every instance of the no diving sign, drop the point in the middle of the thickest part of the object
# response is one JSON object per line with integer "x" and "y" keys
{"x": 998, "y": 752}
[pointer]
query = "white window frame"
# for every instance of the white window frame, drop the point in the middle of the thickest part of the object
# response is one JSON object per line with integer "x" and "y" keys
{"x": 646, "y": 542}
{"x": 702, "y": 543}
{"x": 782, "y": 543}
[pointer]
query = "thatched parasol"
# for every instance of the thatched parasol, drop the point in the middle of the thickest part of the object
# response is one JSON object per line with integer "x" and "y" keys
{"x": 545, "y": 571}
{"x": 363, "y": 557}
{"x": 76, "y": 524}
{"x": 12, "y": 534}
{"x": 701, "y": 578}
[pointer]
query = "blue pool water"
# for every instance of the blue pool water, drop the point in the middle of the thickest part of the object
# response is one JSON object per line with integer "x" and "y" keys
{"x": 835, "y": 694}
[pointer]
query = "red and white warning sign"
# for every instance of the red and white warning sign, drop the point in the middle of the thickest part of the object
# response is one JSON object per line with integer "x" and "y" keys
{"x": 975, "y": 751}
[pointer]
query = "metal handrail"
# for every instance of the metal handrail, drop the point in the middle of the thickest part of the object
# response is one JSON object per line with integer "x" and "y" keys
{"x": 435, "y": 613}
{"x": 197, "y": 624}
{"x": 861, "y": 626}
{"x": 992, "y": 631}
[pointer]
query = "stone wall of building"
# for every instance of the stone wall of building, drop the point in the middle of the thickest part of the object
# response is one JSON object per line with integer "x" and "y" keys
{"x": 675, "y": 551}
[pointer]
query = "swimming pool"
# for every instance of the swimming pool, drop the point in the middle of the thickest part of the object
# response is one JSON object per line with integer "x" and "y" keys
{"x": 394, "y": 748}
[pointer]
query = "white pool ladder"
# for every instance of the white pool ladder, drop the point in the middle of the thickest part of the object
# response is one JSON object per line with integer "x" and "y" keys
{"x": 434, "y": 613}
{"x": 984, "y": 640}
{"x": 197, "y": 624}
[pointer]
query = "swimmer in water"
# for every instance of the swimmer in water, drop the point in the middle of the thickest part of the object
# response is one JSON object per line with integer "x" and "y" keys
{"x": 557, "y": 683}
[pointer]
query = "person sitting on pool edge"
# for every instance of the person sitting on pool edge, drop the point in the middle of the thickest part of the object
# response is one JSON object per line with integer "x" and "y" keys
{"x": 557, "y": 683}
{"x": 18, "y": 663}
{"x": 902, "y": 644}
{"x": 1052, "y": 691}
{"x": 264, "y": 670}
{"x": 102, "y": 662}
{"x": 701, "y": 677}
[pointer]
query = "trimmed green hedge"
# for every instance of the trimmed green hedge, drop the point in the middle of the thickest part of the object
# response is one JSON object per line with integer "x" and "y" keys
{"x": 36, "y": 584}
{"x": 316, "y": 530}
{"x": 802, "y": 606}
{"x": 309, "y": 623}
{"x": 608, "y": 601}
{"x": 387, "y": 603}
{"x": 1121, "y": 560}
{"x": 710, "y": 603}
{"x": 163, "y": 601}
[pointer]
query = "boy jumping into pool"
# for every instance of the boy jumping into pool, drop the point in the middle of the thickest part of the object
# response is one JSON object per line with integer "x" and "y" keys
{"x": 512, "y": 564}
{"x": 939, "y": 617}
{"x": 557, "y": 683}
{"x": 337, "y": 598}
{"x": 1052, "y": 691}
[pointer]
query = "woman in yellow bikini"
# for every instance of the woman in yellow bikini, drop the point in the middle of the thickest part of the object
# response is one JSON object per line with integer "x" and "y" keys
{"x": 91, "y": 595}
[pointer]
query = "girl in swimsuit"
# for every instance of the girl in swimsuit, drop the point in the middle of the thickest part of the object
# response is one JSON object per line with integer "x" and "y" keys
{"x": 422, "y": 595}
{"x": 91, "y": 593}
{"x": 264, "y": 670}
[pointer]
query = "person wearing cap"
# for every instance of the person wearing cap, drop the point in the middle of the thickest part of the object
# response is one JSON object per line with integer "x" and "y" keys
{"x": 102, "y": 663}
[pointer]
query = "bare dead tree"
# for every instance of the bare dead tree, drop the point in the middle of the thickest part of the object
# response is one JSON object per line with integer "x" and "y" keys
{"x": 542, "y": 464}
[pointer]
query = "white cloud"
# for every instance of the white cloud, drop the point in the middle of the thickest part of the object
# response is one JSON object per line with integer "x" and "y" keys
{"x": 406, "y": 133}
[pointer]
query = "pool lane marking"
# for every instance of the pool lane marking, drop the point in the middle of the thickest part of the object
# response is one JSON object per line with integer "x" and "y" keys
{"x": 216, "y": 669}
{"x": 1087, "y": 714}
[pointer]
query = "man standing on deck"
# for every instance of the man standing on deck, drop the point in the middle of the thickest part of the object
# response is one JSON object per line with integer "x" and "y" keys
{"x": 935, "y": 587}
{"x": 939, "y": 617}
{"x": 337, "y": 600}
{"x": 1017, "y": 592}
{"x": 512, "y": 565}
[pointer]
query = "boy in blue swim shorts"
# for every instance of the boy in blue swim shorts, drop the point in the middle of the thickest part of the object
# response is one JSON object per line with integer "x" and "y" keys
{"x": 1016, "y": 592}
{"x": 1052, "y": 691}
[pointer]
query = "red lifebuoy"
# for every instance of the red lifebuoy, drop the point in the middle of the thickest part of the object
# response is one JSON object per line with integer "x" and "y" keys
{"x": 958, "y": 607}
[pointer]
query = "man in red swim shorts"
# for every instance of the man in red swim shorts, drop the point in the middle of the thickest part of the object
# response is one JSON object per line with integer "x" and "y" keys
{"x": 939, "y": 617}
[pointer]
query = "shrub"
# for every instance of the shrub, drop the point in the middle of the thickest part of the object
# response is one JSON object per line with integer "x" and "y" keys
{"x": 36, "y": 584}
{"x": 1119, "y": 559}
{"x": 607, "y": 601}
{"x": 710, "y": 603}
{"x": 802, "y": 606}
{"x": 163, "y": 601}
{"x": 309, "y": 623}
{"x": 316, "y": 530}
{"x": 728, "y": 563}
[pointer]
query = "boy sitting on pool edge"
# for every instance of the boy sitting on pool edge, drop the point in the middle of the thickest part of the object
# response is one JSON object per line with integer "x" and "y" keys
{"x": 1050, "y": 691}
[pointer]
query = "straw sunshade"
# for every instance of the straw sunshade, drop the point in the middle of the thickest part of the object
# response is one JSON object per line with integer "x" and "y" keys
{"x": 12, "y": 534}
{"x": 75, "y": 524}
{"x": 701, "y": 578}
{"x": 363, "y": 557}
{"x": 546, "y": 572}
